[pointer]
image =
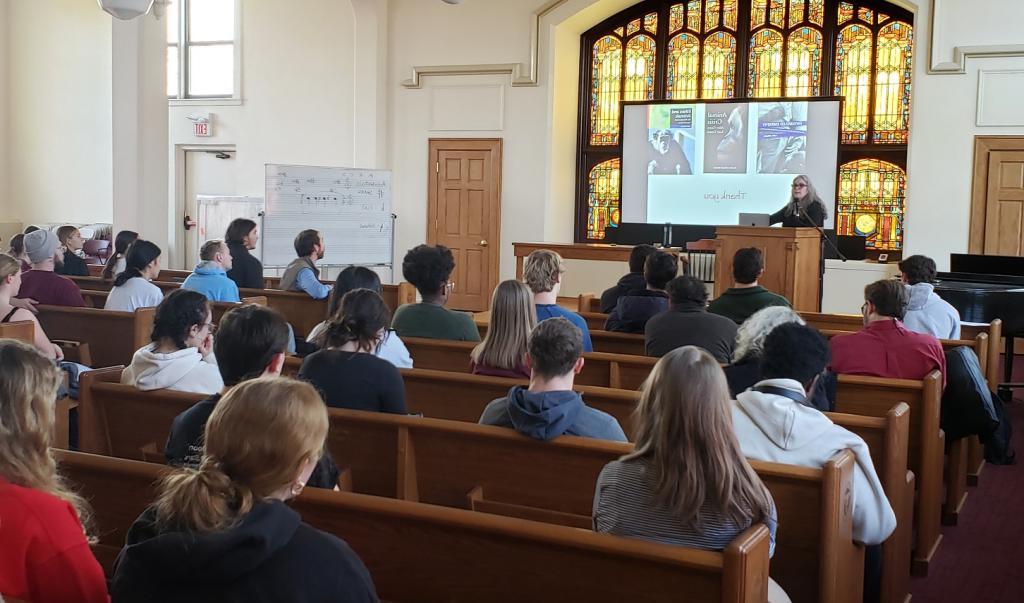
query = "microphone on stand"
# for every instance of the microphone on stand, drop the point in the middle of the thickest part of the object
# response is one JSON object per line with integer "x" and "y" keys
{"x": 807, "y": 218}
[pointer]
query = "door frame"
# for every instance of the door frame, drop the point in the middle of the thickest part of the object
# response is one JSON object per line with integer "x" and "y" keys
{"x": 176, "y": 254}
{"x": 494, "y": 145}
{"x": 983, "y": 147}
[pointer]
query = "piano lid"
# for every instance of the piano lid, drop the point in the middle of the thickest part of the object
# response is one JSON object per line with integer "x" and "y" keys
{"x": 974, "y": 263}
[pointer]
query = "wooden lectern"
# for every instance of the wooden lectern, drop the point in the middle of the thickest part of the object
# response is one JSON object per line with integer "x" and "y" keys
{"x": 792, "y": 261}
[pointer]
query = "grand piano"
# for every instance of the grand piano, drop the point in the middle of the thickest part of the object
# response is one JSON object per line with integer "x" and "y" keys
{"x": 985, "y": 287}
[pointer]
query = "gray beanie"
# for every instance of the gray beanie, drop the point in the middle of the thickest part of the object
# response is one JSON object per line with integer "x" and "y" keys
{"x": 41, "y": 245}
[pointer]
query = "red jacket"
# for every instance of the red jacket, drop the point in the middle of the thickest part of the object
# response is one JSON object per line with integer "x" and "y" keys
{"x": 887, "y": 349}
{"x": 44, "y": 557}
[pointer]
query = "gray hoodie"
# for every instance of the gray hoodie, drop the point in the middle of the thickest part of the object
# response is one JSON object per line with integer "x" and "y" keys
{"x": 547, "y": 415}
{"x": 929, "y": 313}
{"x": 183, "y": 370}
{"x": 779, "y": 430}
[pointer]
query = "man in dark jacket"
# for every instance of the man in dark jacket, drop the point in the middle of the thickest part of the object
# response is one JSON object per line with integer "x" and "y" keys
{"x": 629, "y": 282}
{"x": 246, "y": 270}
{"x": 634, "y": 309}
{"x": 687, "y": 322}
{"x": 746, "y": 296}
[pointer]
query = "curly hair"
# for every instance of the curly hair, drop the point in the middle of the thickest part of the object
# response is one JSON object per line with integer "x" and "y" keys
{"x": 181, "y": 310}
{"x": 542, "y": 269}
{"x": 360, "y": 318}
{"x": 428, "y": 268}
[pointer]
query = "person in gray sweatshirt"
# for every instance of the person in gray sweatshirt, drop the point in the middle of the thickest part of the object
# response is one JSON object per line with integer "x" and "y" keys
{"x": 926, "y": 311}
{"x": 548, "y": 407}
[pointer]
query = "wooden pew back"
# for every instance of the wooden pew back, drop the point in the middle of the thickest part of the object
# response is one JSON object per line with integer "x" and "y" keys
{"x": 113, "y": 337}
{"x": 22, "y": 330}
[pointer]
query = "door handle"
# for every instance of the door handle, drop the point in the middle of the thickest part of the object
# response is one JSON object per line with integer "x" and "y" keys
{"x": 483, "y": 243}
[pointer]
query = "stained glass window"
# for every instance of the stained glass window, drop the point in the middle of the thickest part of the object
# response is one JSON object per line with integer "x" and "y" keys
{"x": 712, "y": 12}
{"x": 853, "y": 80}
{"x": 765, "y": 65}
{"x": 640, "y": 52}
{"x": 683, "y": 63}
{"x": 693, "y": 13}
{"x": 892, "y": 83}
{"x": 866, "y": 15}
{"x": 651, "y": 23}
{"x": 803, "y": 62}
{"x": 730, "y": 13}
{"x": 796, "y": 12}
{"x": 882, "y": 17}
{"x": 632, "y": 27}
{"x": 620, "y": 31}
{"x": 871, "y": 194}
{"x": 777, "y": 14}
{"x": 845, "y": 12}
{"x": 758, "y": 13}
{"x": 817, "y": 12}
{"x": 676, "y": 18}
{"x": 719, "y": 79}
{"x": 606, "y": 75}
{"x": 603, "y": 197}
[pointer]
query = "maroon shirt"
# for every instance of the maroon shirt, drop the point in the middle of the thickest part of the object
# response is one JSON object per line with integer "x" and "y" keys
{"x": 520, "y": 372}
{"x": 50, "y": 288}
{"x": 887, "y": 349}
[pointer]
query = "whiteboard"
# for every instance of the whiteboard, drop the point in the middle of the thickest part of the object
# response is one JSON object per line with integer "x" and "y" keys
{"x": 350, "y": 207}
{"x": 215, "y": 213}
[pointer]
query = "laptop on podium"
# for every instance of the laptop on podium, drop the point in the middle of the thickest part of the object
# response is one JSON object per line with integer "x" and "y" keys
{"x": 755, "y": 219}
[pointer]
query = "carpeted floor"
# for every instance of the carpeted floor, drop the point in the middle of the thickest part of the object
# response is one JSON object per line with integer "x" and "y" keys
{"x": 981, "y": 560}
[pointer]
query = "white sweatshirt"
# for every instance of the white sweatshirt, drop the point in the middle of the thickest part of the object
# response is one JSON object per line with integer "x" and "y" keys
{"x": 929, "y": 313}
{"x": 183, "y": 370}
{"x": 134, "y": 294}
{"x": 779, "y": 430}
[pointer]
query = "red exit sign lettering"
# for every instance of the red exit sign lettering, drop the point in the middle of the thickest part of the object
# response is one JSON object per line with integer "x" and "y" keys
{"x": 201, "y": 128}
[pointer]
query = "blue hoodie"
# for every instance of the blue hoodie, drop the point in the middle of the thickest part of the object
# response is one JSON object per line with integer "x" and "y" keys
{"x": 547, "y": 415}
{"x": 210, "y": 279}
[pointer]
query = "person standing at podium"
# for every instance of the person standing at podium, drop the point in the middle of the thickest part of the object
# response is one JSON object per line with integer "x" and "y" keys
{"x": 805, "y": 207}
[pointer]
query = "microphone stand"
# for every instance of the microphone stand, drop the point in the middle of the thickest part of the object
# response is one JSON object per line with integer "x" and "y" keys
{"x": 824, "y": 238}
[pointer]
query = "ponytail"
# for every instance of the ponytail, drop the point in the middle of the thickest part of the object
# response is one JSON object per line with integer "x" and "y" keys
{"x": 122, "y": 242}
{"x": 141, "y": 254}
{"x": 360, "y": 317}
{"x": 204, "y": 499}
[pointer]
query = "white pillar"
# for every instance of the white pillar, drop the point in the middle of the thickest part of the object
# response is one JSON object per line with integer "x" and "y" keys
{"x": 139, "y": 117}
{"x": 370, "y": 93}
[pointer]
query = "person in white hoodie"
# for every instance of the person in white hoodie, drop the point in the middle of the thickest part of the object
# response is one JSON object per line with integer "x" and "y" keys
{"x": 773, "y": 422}
{"x": 181, "y": 355}
{"x": 927, "y": 312}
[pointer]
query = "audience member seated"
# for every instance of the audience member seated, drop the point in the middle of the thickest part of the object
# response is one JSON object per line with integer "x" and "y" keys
{"x": 210, "y": 276}
{"x": 30, "y": 229}
{"x": 245, "y": 269}
{"x": 132, "y": 288}
{"x": 745, "y": 370}
{"x": 302, "y": 274}
{"x": 116, "y": 262}
{"x": 428, "y": 269}
{"x": 72, "y": 242}
{"x": 542, "y": 273}
{"x": 502, "y": 353}
{"x": 926, "y": 311}
{"x": 636, "y": 307}
{"x": 45, "y": 555}
{"x": 10, "y": 282}
{"x": 41, "y": 283}
{"x": 549, "y": 407}
{"x": 884, "y": 347}
{"x": 746, "y": 296}
{"x": 630, "y": 282}
{"x": 250, "y": 343}
{"x": 774, "y": 422}
{"x": 391, "y": 347}
{"x": 687, "y": 322}
{"x": 346, "y": 371}
{"x": 684, "y": 441}
{"x": 224, "y": 532}
{"x": 180, "y": 357}
{"x": 17, "y": 251}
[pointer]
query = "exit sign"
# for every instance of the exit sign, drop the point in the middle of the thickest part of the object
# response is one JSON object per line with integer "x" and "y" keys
{"x": 201, "y": 128}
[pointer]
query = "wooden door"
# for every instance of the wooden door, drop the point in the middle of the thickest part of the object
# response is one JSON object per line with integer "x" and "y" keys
{"x": 464, "y": 214}
{"x": 1004, "y": 204}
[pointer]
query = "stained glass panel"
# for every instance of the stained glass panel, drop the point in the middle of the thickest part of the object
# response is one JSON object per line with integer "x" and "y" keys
{"x": 632, "y": 27}
{"x": 845, "y": 12}
{"x": 777, "y": 14}
{"x": 719, "y": 79}
{"x": 803, "y": 62}
{"x": 817, "y": 12}
{"x": 603, "y": 197}
{"x": 683, "y": 64}
{"x": 651, "y": 23}
{"x": 640, "y": 52}
{"x": 853, "y": 80}
{"x": 730, "y": 13}
{"x": 765, "y": 65}
{"x": 620, "y": 31}
{"x": 866, "y": 15}
{"x": 796, "y": 12}
{"x": 892, "y": 83}
{"x": 676, "y": 18}
{"x": 871, "y": 195}
{"x": 693, "y": 14}
{"x": 882, "y": 18}
{"x": 605, "y": 91}
{"x": 758, "y": 13}
{"x": 712, "y": 13}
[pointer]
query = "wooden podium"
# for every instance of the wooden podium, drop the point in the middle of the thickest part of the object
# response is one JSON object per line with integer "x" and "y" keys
{"x": 792, "y": 261}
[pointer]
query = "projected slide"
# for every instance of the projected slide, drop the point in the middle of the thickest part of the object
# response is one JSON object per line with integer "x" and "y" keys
{"x": 705, "y": 163}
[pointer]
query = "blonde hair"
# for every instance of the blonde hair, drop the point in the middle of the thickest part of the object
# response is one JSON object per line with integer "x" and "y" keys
{"x": 754, "y": 330}
{"x": 258, "y": 436}
{"x": 513, "y": 317}
{"x": 9, "y": 265}
{"x": 541, "y": 270}
{"x": 684, "y": 428}
{"x": 28, "y": 389}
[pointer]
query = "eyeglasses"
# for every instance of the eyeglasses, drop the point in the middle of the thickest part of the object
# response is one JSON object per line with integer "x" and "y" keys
{"x": 210, "y": 327}
{"x": 799, "y": 186}
{"x": 450, "y": 285}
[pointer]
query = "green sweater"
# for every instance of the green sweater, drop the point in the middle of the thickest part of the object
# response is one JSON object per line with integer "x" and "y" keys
{"x": 434, "y": 322}
{"x": 740, "y": 304}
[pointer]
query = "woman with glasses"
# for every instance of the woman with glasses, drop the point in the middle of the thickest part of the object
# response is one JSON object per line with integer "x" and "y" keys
{"x": 180, "y": 356}
{"x": 805, "y": 207}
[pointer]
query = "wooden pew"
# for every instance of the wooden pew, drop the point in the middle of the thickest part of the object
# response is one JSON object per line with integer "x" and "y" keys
{"x": 97, "y": 299}
{"x": 96, "y": 327}
{"x": 418, "y": 552}
{"x": 22, "y": 330}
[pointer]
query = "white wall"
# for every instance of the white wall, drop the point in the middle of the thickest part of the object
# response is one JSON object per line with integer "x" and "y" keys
{"x": 58, "y": 112}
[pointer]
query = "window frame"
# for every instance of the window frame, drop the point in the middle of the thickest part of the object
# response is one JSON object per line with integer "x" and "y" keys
{"x": 183, "y": 97}
{"x": 588, "y": 155}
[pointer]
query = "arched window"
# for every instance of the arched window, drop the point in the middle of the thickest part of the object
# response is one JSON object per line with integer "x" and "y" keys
{"x": 871, "y": 194}
{"x": 693, "y": 49}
